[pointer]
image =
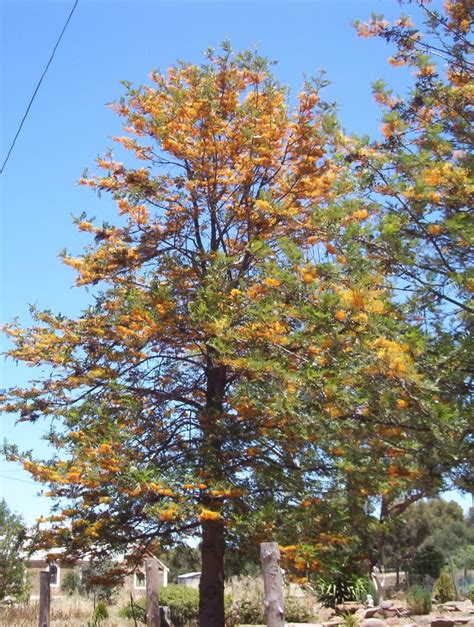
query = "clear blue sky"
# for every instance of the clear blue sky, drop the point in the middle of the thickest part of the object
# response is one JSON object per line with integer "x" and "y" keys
{"x": 69, "y": 124}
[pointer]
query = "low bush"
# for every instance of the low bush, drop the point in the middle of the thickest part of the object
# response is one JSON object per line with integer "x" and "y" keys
{"x": 419, "y": 600}
{"x": 333, "y": 592}
{"x": 182, "y": 601}
{"x": 444, "y": 589}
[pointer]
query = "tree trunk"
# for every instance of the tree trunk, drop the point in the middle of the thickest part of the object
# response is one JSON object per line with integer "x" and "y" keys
{"x": 211, "y": 585}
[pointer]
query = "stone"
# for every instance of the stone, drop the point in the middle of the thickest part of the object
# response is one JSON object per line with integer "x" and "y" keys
{"x": 385, "y": 605}
{"x": 349, "y": 607}
{"x": 371, "y": 611}
{"x": 373, "y": 622}
{"x": 442, "y": 622}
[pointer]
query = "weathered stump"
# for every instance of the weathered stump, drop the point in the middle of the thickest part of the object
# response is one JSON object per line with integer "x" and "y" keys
{"x": 152, "y": 601}
{"x": 45, "y": 599}
{"x": 273, "y": 584}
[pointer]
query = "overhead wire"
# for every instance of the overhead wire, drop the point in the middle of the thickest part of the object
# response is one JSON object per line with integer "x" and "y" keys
{"x": 38, "y": 86}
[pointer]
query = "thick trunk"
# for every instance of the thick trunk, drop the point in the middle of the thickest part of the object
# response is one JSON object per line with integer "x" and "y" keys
{"x": 211, "y": 586}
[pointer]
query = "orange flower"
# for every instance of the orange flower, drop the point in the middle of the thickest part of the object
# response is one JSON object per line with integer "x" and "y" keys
{"x": 340, "y": 315}
{"x": 209, "y": 514}
{"x": 402, "y": 404}
{"x": 435, "y": 229}
{"x": 271, "y": 282}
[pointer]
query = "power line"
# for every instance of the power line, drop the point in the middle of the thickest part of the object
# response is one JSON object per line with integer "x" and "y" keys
{"x": 19, "y": 480}
{"x": 37, "y": 87}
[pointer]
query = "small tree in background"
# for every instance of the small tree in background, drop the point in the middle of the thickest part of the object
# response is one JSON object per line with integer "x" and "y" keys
{"x": 444, "y": 589}
{"x": 13, "y": 582}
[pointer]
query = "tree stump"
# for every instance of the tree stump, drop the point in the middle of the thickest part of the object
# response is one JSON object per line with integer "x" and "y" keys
{"x": 45, "y": 599}
{"x": 273, "y": 584}
{"x": 152, "y": 601}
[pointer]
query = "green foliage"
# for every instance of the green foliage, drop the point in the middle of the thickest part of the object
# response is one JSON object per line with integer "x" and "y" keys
{"x": 71, "y": 582}
{"x": 91, "y": 581}
{"x": 249, "y": 611}
{"x": 13, "y": 580}
{"x": 99, "y": 614}
{"x": 444, "y": 589}
{"x": 332, "y": 592}
{"x": 296, "y": 611}
{"x": 182, "y": 601}
{"x": 350, "y": 620}
{"x": 134, "y": 610}
{"x": 419, "y": 600}
{"x": 428, "y": 560}
{"x": 471, "y": 594}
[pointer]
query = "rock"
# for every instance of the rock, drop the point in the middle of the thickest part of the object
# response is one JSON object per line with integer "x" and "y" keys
{"x": 371, "y": 611}
{"x": 385, "y": 605}
{"x": 442, "y": 622}
{"x": 349, "y": 607}
{"x": 373, "y": 622}
{"x": 462, "y": 620}
{"x": 333, "y": 621}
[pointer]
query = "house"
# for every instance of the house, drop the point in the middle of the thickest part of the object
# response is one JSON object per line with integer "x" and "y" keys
{"x": 189, "y": 579}
{"x": 134, "y": 583}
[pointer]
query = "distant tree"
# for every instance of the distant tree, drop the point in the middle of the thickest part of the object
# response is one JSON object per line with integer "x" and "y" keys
{"x": 427, "y": 534}
{"x": 427, "y": 561}
{"x": 12, "y": 565}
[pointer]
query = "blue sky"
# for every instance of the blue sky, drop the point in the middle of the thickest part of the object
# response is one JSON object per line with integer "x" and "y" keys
{"x": 69, "y": 124}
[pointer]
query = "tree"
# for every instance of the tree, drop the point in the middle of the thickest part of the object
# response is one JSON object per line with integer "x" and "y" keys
{"x": 420, "y": 179}
{"x": 243, "y": 373}
{"x": 12, "y": 566}
{"x": 435, "y": 522}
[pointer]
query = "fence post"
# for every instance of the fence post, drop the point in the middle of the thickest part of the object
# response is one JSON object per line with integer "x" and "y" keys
{"x": 45, "y": 599}
{"x": 152, "y": 601}
{"x": 273, "y": 584}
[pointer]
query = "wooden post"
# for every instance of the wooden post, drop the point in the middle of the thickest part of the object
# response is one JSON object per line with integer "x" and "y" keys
{"x": 273, "y": 584}
{"x": 152, "y": 602}
{"x": 45, "y": 599}
{"x": 165, "y": 616}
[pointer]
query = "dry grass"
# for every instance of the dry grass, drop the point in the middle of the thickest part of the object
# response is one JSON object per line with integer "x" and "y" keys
{"x": 65, "y": 612}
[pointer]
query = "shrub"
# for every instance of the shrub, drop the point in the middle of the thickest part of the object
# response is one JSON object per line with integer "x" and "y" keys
{"x": 419, "y": 600}
{"x": 444, "y": 589}
{"x": 350, "y": 620}
{"x": 183, "y": 603}
{"x": 428, "y": 560}
{"x": 99, "y": 614}
{"x": 296, "y": 611}
{"x": 471, "y": 594}
{"x": 134, "y": 610}
{"x": 354, "y": 588}
{"x": 249, "y": 611}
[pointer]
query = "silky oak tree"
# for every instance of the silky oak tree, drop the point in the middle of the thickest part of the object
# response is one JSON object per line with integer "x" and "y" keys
{"x": 242, "y": 357}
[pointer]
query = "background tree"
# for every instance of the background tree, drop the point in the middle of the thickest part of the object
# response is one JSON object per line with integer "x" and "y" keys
{"x": 243, "y": 373}
{"x": 13, "y": 582}
{"x": 426, "y": 536}
{"x": 419, "y": 177}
